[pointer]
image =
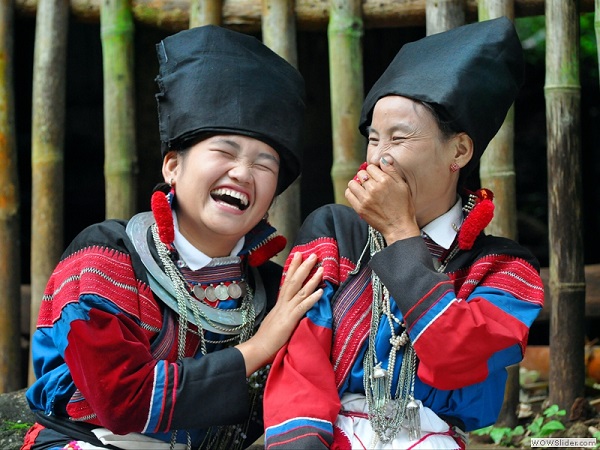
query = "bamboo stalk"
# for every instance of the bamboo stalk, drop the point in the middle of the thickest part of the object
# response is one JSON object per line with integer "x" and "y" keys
{"x": 597, "y": 28}
{"x": 442, "y": 15}
{"x": 120, "y": 161}
{"x": 47, "y": 142}
{"x": 567, "y": 279}
{"x": 497, "y": 172}
{"x": 279, "y": 34}
{"x": 245, "y": 15}
{"x": 205, "y": 12}
{"x": 344, "y": 33}
{"x": 10, "y": 254}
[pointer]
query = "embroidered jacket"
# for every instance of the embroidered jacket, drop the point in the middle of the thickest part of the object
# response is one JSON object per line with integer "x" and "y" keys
{"x": 467, "y": 325}
{"x": 105, "y": 349}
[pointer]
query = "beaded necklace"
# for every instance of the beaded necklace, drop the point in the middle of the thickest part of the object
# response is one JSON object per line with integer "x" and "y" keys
{"x": 386, "y": 413}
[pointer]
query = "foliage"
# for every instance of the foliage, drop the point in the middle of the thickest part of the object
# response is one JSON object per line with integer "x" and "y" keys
{"x": 532, "y": 32}
{"x": 543, "y": 425}
{"x": 9, "y": 425}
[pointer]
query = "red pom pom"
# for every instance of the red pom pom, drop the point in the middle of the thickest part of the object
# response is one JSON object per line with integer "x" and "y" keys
{"x": 163, "y": 216}
{"x": 479, "y": 218}
{"x": 267, "y": 250}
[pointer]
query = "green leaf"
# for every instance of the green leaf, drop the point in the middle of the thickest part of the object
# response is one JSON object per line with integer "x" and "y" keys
{"x": 498, "y": 433}
{"x": 518, "y": 430}
{"x": 551, "y": 427}
{"x": 535, "y": 425}
{"x": 483, "y": 431}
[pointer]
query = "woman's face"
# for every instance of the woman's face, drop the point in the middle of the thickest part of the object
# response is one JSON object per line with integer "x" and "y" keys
{"x": 224, "y": 186}
{"x": 407, "y": 133}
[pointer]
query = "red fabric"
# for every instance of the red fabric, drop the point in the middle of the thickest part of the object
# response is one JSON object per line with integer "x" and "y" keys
{"x": 266, "y": 251}
{"x": 31, "y": 436}
{"x": 127, "y": 375}
{"x": 307, "y": 384}
{"x": 469, "y": 325}
{"x": 86, "y": 272}
{"x": 340, "y": 440}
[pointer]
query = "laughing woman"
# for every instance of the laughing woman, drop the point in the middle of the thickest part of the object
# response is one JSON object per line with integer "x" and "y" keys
{"x": 155, "y": 333}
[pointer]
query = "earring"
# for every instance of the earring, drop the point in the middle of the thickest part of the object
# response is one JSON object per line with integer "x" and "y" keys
{"x": 454, "y": 167}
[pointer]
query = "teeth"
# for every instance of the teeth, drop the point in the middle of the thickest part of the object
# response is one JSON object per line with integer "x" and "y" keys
{"x": 235, "y": 194}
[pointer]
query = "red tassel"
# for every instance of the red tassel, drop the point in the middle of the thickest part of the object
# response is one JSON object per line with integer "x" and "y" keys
{"x": 479, "y": 218}
{"x": 266, "y": 251}
{"x": 163, "y": 216}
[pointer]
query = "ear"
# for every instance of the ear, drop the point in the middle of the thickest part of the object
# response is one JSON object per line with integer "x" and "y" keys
{"x": 463, "y": 149}
{"x": 170, "y": 166}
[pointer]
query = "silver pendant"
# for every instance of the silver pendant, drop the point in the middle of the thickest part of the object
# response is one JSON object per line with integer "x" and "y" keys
{"x": 235, "y": 291}
{"x": 378, "y": 371}
{"x": 211, "y": 295}
{"x": 221, "y": 292}
{"x": 199, "y": 292}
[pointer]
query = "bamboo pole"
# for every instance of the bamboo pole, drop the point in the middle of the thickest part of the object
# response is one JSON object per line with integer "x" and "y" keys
{"x": 245, "y": 15}
{"x": 47, "y": 152}
{"x": 205, "y": 12}
{"x": 442, "y": 15}
{"x": 597, "y": 28}
{"x": 279, "y": 34}
{"x": 497, "y": 172}
{"x": 10, "y": 254}
{"x": 567, "y": 279}
{"x": 120, "y": 161}
{"x": 344, "y": 33}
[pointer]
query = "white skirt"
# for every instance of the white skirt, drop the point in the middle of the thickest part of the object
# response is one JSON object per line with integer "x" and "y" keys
{"x": 354, "y": 423}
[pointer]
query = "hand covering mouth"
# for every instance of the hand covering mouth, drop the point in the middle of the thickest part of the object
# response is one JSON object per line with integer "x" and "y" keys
{"x": 231, "y": 197}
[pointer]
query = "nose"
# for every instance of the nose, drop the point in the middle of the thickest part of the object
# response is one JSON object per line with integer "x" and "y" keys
{"x": 241, "y": 173}
{"x": 374, "y": 154}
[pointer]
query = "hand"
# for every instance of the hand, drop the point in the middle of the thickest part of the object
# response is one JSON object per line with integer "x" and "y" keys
{"x": 295, "y": 299}
{"x": 382, "y": 197}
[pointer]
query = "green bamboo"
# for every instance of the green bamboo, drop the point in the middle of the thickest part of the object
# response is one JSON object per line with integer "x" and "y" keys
{"x": 47, "y": 142}
{"x": 497, "y": 172}
{"x": 10, "y": 255}
{"x": 442, "y": 15}
{"x": 567, "y": 277}
{"x": 597, "y": 28}
{"x": 205, "y": 12}
{"x": 120, "y": 161}
{"x": 344, "y": 33}
{"x": 279, "y": 34}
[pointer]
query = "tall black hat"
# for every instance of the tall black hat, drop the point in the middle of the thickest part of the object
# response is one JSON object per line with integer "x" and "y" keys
{"x": 471, "y": 74}
{"x": 215, "y": 80}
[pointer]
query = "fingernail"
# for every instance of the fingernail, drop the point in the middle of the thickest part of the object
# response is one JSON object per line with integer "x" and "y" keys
{"x": 384, "y": 161}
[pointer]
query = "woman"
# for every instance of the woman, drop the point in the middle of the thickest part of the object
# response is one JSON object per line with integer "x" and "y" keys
{"x": 150, "y": 333}
{"x": 421, "y": 311}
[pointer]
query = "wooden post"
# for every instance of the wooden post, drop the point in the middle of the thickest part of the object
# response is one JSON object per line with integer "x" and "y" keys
{"x": 47, "y": 142}
{"x": 497, "y": 172}
{"x": 567, "y": 281}
{"x": 205, "y": 12}
{"x": 442, "y": 15}
{"x": 120, "y": 161}
{"x": 345, "y": 32}
{"x": 10, "y": 248}
{"x": 279, "y": 34}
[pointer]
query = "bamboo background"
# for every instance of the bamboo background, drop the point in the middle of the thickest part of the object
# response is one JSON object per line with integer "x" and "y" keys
{"x": 340, "y": 46}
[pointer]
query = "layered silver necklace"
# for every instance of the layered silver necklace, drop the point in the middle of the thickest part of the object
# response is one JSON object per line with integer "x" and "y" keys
{"x": 388, "y": 413}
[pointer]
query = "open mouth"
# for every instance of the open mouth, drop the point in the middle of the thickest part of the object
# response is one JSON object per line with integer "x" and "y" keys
{"x": 230, "y": 197}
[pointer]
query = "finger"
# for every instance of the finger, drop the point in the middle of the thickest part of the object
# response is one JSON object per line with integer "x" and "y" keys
{"x": 386, "y": 164}
{"x": 306, "y": 304}
{"x": 297, "y": 272}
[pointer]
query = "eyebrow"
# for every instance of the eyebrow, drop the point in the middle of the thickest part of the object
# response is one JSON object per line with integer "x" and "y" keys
{"x": 402, "y": 126}
{"x": 237, "y": 146}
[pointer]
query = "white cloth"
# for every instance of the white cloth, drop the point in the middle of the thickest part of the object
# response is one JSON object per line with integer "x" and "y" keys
{"x": 131, "y": 441}
{"x": 435, "y": 433}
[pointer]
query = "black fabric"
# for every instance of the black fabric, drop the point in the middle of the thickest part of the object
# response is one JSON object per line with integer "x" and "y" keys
{"x": 60, "y": 431}
{"x": 471, "y": 74}
{"x": 214, "y": 80}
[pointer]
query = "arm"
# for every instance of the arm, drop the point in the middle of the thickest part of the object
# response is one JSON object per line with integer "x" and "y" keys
{"x": 478, "y": 317}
